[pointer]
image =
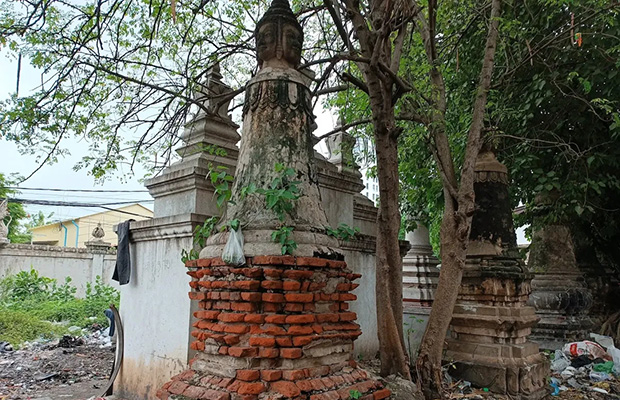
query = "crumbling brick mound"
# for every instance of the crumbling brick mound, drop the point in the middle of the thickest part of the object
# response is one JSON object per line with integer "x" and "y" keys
{"x": 275, "y": 328}
{"x": 310, "y": 384}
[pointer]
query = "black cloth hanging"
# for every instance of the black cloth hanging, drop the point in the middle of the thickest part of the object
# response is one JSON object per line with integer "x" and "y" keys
{"x": 122, "y": 270}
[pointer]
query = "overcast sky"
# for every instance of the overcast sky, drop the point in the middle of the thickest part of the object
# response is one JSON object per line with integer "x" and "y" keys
{"x": 61, "y": 175}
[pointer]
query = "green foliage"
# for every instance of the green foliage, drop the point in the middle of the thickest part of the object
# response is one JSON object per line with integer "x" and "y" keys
{"x": 283, "y": 237}
{"x": 282, "y": 191}
{"x": 17, "y": 327}
{"x": 35, "y": 301}
{"x": 343, "y": 232}
{"x": 202, "y": 232}
{"x": 191, "y": 255}
{"x": 222, "y": 183}
{"x": 412, "y": 325}
{"x": 355, "y": 394}
{"x": 17, "y": 233}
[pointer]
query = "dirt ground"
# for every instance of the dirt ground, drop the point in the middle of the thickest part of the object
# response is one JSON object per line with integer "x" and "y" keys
{"x": 46, "y": 370}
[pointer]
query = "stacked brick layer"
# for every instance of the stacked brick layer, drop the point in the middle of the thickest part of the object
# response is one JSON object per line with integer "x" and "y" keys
{"x": 275, "y": 328}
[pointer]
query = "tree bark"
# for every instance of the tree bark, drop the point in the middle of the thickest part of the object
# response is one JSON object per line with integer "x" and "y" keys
{"x": 376, "y": 47}
{"x": 459, "y": 205}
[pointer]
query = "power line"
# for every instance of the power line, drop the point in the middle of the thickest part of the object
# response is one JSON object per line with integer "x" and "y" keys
{"x": 78, "y": 190}
{"x": 69, "y": 204}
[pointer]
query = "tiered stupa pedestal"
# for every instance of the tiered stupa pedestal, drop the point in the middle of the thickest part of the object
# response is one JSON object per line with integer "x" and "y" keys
{"x": 491, "y": 321}
{"x": 278, "y": 327}
{"x": 420, "y": 273}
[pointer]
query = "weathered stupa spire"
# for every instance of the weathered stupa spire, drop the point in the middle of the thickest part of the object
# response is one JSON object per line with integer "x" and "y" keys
{"x": 278, "y": 326}
{"x": 277, "y": 130}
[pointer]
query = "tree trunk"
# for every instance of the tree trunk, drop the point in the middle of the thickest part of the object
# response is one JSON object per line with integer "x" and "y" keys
{"x": 389, "y": 291}
{"x": 459, "y": 206}
{"x": 453, "y": 252}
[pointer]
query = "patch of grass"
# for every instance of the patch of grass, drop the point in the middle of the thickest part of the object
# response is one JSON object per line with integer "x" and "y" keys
{"x": 29, "y": 304}
{"x": 17, "y": 327}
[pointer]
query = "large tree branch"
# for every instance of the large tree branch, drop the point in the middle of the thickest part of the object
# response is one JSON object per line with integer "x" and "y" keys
{"x": 480, "y": 103}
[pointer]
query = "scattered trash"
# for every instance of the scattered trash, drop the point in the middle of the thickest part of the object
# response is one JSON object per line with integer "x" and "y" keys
{"x": 69, "y": 341}
{"x": 44, "y": 377}
{"x": 585, "y": 347}
{"x": 233, "y": 250}
{"x": 5, "y": 347}
{"x": 599, "y": 376}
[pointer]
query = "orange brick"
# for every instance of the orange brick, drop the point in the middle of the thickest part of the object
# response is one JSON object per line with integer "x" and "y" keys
{"x": 305, "y": 386}
{"x": 220, "y": 285}
{"x": 197, "y": 345}
{"x": 243, "y": 351}
{"x": 343, "y": 287}
{"x": 291, "y": 285}
{"x": 248, "y": 375}
{"x": 348, "y": 316}
{"x": 252, "y": 272}
{"x": 203, "y": 262}
{"x": 300, "y": 319}
{"x": 237, "y": 328}
{"x": 272, "y": 272}
{"x": 222, "y": 305}
{"x": 309, "y": 307}
{"x": 337, "y": 264}
{"x": 273, "y": 260}
{"x": 273, "y": 297}
{"x": 272, "y": 307}
{"x": 302, "y": 340}
{"x": 243, "y": 307}
{"x": 312, "y": 262}
{"x": 251, "y": 388}
{"x": 246, "y": 285}
{"x": 293, "y": 374}
{"x": 291, "y": 353}
{"x": 275, "y": 319}
{"x": 223, "y": 349}
{"x": 269, "y": 352}
{"x": 251, "y": 296}
{"x": 254, "y": 318}
{"x": 284, "y": 341}
{"x": 300, "y": 330}
{"x": 327, "y": 318}
{"x": 271, "y": 285}
{"x": 287, "y": 389}
{"x": 194, "y": 263}
{"x": 177, "y": 387}
{"x": 231, "y": 340}
{"x": 197, "y": 296}
{"x": 270, "y": 375}
{"x": 231, "y": 317}
{"x": 317, "y": 328}
{"x": 297, "y": 274}
{"x": 218, "y": 262}
{"x": 262, "y": 341}
{"x": 294, "y": 307}
{"x": 273, "y": 330}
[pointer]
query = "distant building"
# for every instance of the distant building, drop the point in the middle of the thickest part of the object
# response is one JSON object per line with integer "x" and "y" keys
{"x": 77, "y": 231}
{"x": 371, "y": 187}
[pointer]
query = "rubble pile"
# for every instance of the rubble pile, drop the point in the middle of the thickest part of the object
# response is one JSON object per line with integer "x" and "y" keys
{"x": 44, "y": 364}
{"x": 588, "y": 369}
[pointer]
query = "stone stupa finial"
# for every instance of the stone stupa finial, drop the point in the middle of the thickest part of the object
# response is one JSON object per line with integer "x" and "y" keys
{"x": 279, "y": 37}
